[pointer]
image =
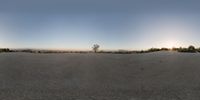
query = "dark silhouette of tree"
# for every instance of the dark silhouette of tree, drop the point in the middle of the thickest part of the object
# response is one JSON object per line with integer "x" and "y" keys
{"x": 191, "y": 48}
{"x": 4, "y": 50}
{"x": 153, "y": 50}
{"x": 198, "y": 49}
{"x": 164, "y": 49}
{"x": 95, "y": 48}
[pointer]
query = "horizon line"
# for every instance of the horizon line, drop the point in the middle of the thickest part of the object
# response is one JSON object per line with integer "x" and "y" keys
{"x": 71, "y": 49}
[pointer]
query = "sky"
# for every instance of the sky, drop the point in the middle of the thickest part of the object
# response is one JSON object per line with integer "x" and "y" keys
{"x": 113, "y": 24}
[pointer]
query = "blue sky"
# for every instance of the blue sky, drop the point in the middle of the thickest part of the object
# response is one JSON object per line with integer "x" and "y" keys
{"x": 114, "y": 24}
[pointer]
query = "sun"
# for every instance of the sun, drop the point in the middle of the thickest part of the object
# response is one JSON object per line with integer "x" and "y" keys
{"x": 170, "y": 44}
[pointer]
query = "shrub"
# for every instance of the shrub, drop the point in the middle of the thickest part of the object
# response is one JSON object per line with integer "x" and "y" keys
{"x": 191, "y": 49}
{"x": 182, "y": 50}
{"x": 153, "y": 50}
{"x": 198, "y": 50}
{"x": 164, "y": 49}
{"x": 4, "y": 50}
{"x": 175, "y": 49}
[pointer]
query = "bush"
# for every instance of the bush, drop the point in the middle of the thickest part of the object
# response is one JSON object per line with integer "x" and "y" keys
{"x": 5, "y": 50}
{"x": 164, "y": 49}
{"x": 190, "y": 49}
{"x": 198, "y": 50}
{"x": 153, "y": 50}
{"x": 182, "y": 50}
{"x": 176, "y": 49}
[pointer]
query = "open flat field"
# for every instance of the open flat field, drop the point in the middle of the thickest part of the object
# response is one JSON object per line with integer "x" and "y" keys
{"x": 150, "y": 76}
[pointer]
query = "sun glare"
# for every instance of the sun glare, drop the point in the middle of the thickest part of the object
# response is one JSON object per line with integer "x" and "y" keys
{"x": 170, "y": 44}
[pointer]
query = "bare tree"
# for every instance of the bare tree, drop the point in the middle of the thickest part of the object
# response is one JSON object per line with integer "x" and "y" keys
{"x": 95, "y": 47}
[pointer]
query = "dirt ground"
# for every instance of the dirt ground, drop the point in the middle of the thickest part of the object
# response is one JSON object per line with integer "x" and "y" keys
{"x": 150, "y": 76}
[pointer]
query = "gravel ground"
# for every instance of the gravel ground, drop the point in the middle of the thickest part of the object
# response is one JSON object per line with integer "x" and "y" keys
{"x": 150, "y": 76}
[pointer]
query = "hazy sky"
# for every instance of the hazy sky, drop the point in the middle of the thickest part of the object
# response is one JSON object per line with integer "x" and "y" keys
{"x": 113, "y": 24}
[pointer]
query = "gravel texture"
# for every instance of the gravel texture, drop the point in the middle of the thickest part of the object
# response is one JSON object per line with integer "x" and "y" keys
{"x": 149, "y": 76}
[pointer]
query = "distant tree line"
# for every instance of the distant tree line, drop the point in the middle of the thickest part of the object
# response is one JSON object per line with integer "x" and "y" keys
{"x": 190, "y": 49}
{"x": 95, "y": 48}
{"x": 4, "y": 50}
